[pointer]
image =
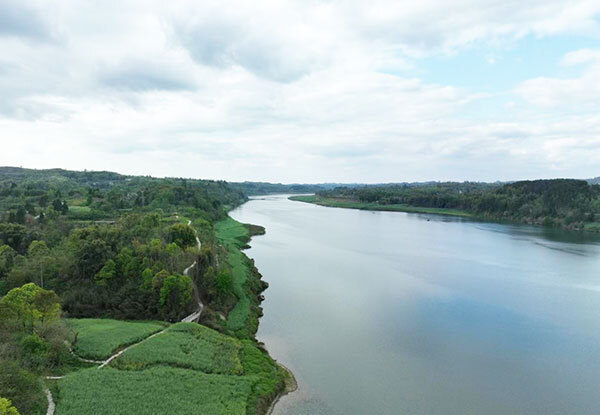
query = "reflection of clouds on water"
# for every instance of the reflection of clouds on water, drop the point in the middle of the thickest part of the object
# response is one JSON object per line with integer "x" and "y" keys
{"x": 387, "y": 312}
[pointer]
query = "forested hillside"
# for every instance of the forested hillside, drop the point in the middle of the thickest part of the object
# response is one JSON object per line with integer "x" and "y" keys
{"x": 262, "y": 188}
{"x": 100, "y": 244}
{"x": 560, "y": 202}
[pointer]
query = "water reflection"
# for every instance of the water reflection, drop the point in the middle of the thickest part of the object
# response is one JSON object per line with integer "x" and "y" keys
{"x": 389, "y": 313}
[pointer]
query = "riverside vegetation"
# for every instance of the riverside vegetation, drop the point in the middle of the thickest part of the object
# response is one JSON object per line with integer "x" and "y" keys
{"x": 566, "y": 203}
{"x": 91, "y": 262}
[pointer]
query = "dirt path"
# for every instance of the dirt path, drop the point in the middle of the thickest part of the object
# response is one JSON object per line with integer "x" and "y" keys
{"x": 50, "y": 410}
{"x": 195, "y": 316}
{"x": 119, "y": 353}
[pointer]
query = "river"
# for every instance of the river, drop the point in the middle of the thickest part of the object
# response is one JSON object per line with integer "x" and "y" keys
{"x": 396, "y": 313}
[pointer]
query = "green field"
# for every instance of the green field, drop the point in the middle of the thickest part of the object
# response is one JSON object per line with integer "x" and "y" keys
{"x": 188, "y": 368}
{"x": 349, "y": 204}
{"x": 186, "y": 345}
{"x": 158, "y": 390}
{"x": 80, "y": 209}
{"x": 99, "y": 338}
{"x": 231, "y": 232}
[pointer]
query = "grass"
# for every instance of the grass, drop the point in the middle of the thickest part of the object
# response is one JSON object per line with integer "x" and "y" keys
{"x": 231, "y": 232}
{"x": 186, "y": 345}
{"x": 186, "y": 369}
{"x": 158, "y": 390}
{"x": 270, "y": 377}
{"x": 80, "y": 209}
{"x": 592, "y": 226}
{"x": 99, "y": 338}
{"x": 234, "y": 235}
{"x": 349, "y": 204}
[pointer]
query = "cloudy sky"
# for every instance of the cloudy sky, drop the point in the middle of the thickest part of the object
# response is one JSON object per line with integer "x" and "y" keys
{"x": 303, "y": 91}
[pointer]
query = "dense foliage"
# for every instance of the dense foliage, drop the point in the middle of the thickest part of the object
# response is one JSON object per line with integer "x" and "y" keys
{"x": 262, "y": 188}
{"x": 99, "y": 244}
{"x": 33, "y": 341}
{"x": 109, "y": 245}
{"x": 559, "y": 202}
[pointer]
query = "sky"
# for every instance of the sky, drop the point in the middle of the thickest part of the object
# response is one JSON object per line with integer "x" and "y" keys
{"x": 303, "y": 91}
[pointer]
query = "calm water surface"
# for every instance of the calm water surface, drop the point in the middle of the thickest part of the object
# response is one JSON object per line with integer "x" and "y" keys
{"x": 394, "y": 313}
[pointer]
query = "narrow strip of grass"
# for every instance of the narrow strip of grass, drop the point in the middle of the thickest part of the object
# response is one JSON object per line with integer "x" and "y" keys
{"x": 234, "y": 235}
{"x": 99, "y": 338}
{"x": 350, "y": 204}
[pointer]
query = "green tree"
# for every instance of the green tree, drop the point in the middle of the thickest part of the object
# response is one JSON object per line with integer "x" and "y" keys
{"x": 31, "y": 304}
{"x": 224, "y": 282}
{"x": 20, "y": 216}
{"x": 43, "y": 201}
{"x": 147, "y": 276}
{"x": 22, "y": 388}
{"x": 173, "y": 251}
{"x": 6, "y": 407}
{"x": 159, "y": 277}
{"x": 106, "y": 273}
{"x": 175, "y": 294}
{"x": 7, "y": 257}
{"x": 57, "y": 205}
{"x": 182, "y": 234}
{"x": 39, "y": 253}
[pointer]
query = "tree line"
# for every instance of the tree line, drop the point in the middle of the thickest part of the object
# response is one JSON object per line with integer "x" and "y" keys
{"x": 558, "y": 202}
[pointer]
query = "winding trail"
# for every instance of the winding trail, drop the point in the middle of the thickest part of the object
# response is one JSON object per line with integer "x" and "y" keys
{"x": 51, "y": 406}
{"x": 194, "y": 317}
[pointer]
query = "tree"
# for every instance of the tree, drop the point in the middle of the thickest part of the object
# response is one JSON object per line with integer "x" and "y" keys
{"x": 91, "y": 256}
{"x": 6, "y": 407}
{"x": 175, "y": 294}
{"x": 57, "y": 205}
{"x": 182, "y": 234}
{"x": 14, "y": 235}
{"x": 173, "y": 251}
{"x": 158, "y": 279}
{"x": 107, "y": 273}
{"x": 147, "y": 276}
{"x": 20, "y": 216}
{"x": 43, "y": 201}
{"x": 7, "y": 257}
{"x": 31, "y": 304}
{"x": 22, "y": 388}
{"x": 224, "y": 282}
{"x": 39, "y": 253}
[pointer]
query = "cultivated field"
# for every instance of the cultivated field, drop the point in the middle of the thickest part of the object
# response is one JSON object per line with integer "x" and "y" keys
{"x": 186, "y": 369}
{"x": 99, "y": 338}
{"x": 157, "y": 390}
{"x": 186, "y": 345}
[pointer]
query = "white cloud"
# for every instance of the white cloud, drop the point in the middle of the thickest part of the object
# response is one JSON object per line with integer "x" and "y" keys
{"x": 286, "y": 91}
{"x": 579, "y": 93}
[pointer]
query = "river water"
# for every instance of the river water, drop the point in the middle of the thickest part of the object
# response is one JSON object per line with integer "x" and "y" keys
{"x": 395, "y": 313}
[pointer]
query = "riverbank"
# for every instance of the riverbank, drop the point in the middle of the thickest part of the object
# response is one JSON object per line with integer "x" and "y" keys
{"x": 291, "y": 385}
{"x": 349, "y": 204}
{"x": 591, "y": 227}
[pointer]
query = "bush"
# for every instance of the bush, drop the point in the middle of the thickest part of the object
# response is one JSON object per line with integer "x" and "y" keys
{"x": 182, "y": 234}
{"x": 22, "y": 388}
{"x": 6, "y": 407}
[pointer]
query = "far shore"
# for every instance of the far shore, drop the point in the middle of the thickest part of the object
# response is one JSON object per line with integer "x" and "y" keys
{"x": 350, "y": 204}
